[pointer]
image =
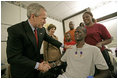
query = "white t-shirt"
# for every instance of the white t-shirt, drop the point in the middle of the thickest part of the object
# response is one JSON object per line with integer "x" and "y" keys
{"x": 82, "y": 63}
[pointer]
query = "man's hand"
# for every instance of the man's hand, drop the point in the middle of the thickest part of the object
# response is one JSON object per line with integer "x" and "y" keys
{"x": 44, "y": 66}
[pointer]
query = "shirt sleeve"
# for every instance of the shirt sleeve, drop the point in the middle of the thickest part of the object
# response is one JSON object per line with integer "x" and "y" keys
{"x": 99, "y": 60}
{"x": 104, "y": 32}
{"x": 62, "y": 45}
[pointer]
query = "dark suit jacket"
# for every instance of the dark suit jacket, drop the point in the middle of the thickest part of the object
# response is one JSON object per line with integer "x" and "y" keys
{"x": 22, "y": 51}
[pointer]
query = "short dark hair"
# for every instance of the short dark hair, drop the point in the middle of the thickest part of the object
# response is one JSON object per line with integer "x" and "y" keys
{"x": 82, "y": 28}
{"x": 51, "y": 26}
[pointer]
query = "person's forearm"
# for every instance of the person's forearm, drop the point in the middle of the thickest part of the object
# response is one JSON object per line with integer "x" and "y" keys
{"x": 105, "y": 42}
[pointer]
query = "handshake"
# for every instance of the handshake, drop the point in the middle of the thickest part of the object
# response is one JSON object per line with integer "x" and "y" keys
{"x": 44, "y": 66}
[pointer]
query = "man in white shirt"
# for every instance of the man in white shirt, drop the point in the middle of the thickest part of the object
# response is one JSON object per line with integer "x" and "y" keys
{"x": 82, "y": 59}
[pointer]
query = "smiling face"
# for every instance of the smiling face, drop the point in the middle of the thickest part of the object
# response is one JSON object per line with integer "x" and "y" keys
{"x": 87, "y": 18}
{"x": 80, "y": 34}
{"x": 52, "y": 31}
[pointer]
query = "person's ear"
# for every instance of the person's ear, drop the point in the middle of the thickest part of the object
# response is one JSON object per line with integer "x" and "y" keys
{"x": 32, "y": 16}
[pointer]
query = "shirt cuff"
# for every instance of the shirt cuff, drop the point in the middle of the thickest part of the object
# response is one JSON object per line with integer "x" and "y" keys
{"x": 37, "y": 65}
{"x": 62, "y": 45}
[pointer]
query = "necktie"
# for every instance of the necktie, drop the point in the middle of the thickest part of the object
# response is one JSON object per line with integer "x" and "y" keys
{"x": 36, "y": 36}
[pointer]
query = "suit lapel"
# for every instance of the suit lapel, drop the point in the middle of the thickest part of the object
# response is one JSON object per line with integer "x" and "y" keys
{"x": 30, "y": 34}
{"x": 39, "y": 38}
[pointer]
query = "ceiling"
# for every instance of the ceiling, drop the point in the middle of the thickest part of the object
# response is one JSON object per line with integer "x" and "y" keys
{"x": 61, "y": 9}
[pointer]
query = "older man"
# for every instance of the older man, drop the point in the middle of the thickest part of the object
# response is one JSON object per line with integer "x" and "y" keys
{"x": 24, "y": 43}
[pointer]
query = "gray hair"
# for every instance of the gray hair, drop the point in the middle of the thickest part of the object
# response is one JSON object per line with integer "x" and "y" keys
{"x": 34, "y": 8}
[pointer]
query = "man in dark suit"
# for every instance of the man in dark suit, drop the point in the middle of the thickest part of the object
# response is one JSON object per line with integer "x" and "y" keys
{"x": 23, "y": 49}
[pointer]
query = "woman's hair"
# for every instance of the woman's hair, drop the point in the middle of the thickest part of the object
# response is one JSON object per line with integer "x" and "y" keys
{"x": 34, "y": 8}
{"x": 93, "y": 19}
{"x": 51, "y": 26}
